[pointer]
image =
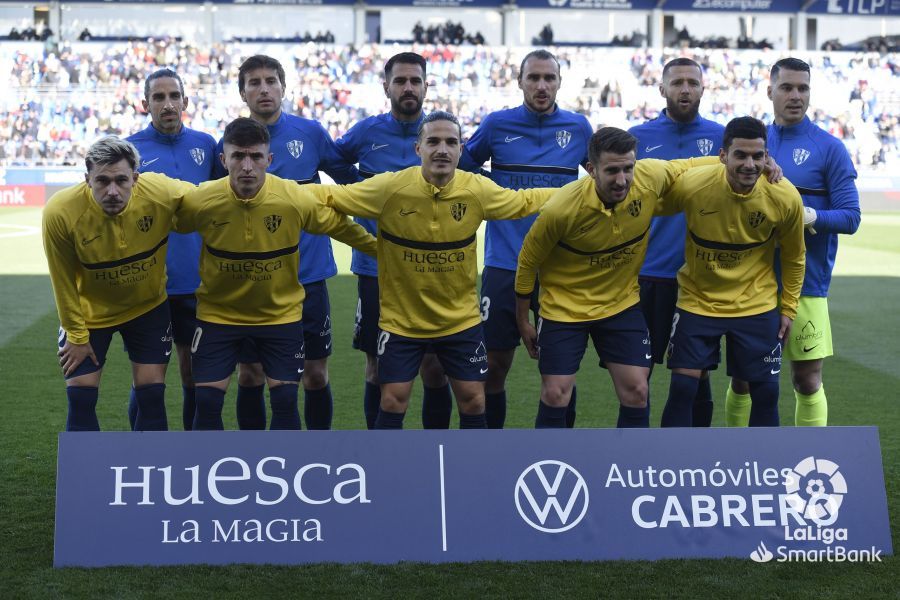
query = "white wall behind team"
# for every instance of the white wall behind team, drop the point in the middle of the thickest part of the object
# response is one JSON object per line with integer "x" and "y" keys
{"x": 585, "y": 26}
{"x": 775, "y": 28}
{"x": 397, "y": 23}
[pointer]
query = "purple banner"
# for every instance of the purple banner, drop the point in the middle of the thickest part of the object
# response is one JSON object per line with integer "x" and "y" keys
{"x": 353, "y": 496}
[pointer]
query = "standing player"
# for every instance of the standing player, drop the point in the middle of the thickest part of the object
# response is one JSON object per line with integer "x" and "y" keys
{"x": 301, "y": 148}
{"x": 379, "y": 144}
{"x": 819, "y": 166}
{"x": 678, "y": 132}
{"x": 586, "y": 248}
{"x": 166, "y": 146}
{"x": 250, "y": 223}
{"x": 535, "y": 145}
{"x": 427, "y": 220}
{"x": 106, "y": 242}
{"x": 727, "y": 285}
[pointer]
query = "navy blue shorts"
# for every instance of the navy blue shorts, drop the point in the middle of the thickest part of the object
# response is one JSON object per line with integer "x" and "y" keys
{"x": 462, "y": 355}
{"x": 148, "y": 340}
{"x": 216, "y": 347}
{"x": 621, "y": 338}
{"x": 752, "y": 346}
{"x": 183, "y": 310}
{"x": 316, "y": 326}
{"x": 498, "y": 308}
{"x": 365, "y": 330}
{"x": 658, "y": 298}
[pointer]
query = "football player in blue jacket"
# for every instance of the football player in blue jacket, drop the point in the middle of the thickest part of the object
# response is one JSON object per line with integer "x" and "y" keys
{"x": 535, "y": 145}
{"x": 301, "y": 148}
{"x": 819, "y": 166}
{"x": 678, "y": 132}
{"x": 166, "y": 146}
{"x": 382, "y": 143}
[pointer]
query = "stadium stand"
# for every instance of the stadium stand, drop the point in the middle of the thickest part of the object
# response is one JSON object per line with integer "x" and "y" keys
{"x": 55, "y": 103}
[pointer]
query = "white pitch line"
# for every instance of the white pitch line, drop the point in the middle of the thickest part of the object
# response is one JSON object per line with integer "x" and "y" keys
{"x": 23, "y": 230}
{"x": 443, "y": 500}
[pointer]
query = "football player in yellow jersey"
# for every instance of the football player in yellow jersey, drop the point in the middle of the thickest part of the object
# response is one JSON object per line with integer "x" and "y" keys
{"x": 727, "y": 285}
{"x": 427, "y": 220}
{"x": 106, "y": 242}
{"x": 251, "y": 223}
{"x": 586, "y": 248}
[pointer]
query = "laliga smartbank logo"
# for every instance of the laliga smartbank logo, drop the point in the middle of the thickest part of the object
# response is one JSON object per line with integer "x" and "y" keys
{"x": 551, "y": 496}
{"x": 816, "y": 489}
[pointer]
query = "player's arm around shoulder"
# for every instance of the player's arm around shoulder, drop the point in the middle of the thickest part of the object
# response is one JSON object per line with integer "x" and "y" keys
{"x": 552, "y": 224}
{"x": 364, "y": 199}
{"x": 316, "y": 216}
{"x": 502, "y": 203}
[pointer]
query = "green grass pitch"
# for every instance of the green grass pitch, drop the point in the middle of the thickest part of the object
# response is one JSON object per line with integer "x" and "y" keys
{"x": 862, "y": 382}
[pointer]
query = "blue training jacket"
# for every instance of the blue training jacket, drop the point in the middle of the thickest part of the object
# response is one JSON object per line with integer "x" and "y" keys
{"x": 379, "y": 144}
{"x": 526, "y": 150}
{"x": 301, "y": 148}
{"x": 666, "y": 139}
{"x": 188, "y": 155}
{"x": 819, "y": 166}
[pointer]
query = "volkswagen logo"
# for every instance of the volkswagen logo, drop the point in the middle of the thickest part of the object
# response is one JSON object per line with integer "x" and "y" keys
{"x": 551, "y": 496}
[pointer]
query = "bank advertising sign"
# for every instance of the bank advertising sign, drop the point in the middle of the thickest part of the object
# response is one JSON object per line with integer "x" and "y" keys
{"x": 167, "y": 498}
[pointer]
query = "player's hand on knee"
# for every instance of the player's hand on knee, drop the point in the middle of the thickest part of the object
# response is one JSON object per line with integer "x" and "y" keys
{"x": 72, "y": 355}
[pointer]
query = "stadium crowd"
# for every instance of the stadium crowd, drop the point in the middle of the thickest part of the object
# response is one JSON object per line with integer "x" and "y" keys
{"x": 56, "y": 104}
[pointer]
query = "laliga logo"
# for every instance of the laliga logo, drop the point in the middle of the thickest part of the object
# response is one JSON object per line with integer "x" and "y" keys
{"x": 540, "y": 500}
{"x": 816, "y": 489}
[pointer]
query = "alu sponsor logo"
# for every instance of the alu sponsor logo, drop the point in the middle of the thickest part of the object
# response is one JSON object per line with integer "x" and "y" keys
{"x": 551, "y": 496}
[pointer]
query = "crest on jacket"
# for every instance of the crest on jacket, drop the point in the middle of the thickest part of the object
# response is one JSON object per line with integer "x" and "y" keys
{"x": 705, "y": 146}
{"x": 634, "y": 207}
{"x": 756, "y": 218}
{"x": 198, "y": 155}
{"x": 295, "y": 147}
{"x": 800, "y": 156}
{"x": 563, "y": 138}
{"x": 145, "y": 223}
{"x": 273, "y": 222}
{"x": 458, "y": 210}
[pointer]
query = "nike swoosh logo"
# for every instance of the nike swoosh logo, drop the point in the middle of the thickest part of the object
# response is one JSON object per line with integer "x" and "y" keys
{"x": 379, "y": 146}
{"x": 805, "y": 349}
{"x": 704, "y": 213}
{"x": 405, "y": 213}
{"x": 774, "y": 372}
{"x": 648, "y": 356}
{"x": 168, "y": 352}
{"x": 145, "y": 163}
{"x": 219, "y": 224}
{"x": 299, "y": 370}
{"x": 328, "y": 345}
{"x": 652, "y": 148}
{"x": 482, "y": 371}
{"x": 85, "y": 241}
{"x": 512, "y": 139}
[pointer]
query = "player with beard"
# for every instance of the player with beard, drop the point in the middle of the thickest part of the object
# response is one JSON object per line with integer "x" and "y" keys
{"x": 728, "y": 284}
{"x": 535, "y": 145}
{"x": 379, "y": 144}
{"x": 167, "y": 146}
{"x": 678, "y": 132}
{"x": 300, "y": 149}
{"x": 819, "y": 165}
